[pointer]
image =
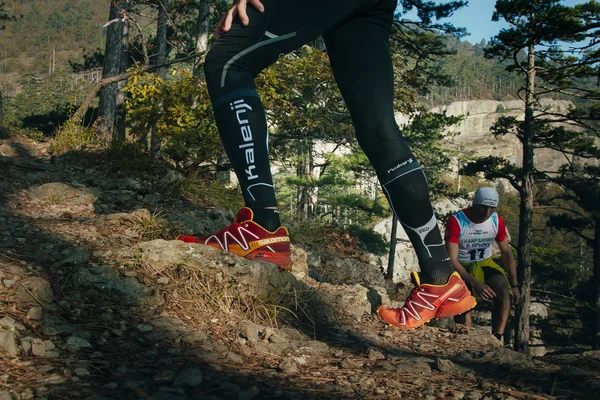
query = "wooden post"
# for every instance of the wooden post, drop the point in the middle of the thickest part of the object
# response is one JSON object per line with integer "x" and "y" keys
{"x": 392, "y": 256}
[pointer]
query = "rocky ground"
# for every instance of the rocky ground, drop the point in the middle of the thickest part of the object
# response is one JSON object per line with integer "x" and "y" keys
{"x": 93, "y": 306}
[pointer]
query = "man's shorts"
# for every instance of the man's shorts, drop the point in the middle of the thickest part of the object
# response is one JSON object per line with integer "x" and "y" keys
{"x": 484, "y": 270}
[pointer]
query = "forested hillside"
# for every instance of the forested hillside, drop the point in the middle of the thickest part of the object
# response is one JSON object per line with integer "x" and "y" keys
{"x": 69, "y": 27}
{"x": 49, "y": 36}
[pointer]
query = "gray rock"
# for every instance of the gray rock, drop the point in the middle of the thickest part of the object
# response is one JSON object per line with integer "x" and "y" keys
{"x": 9, "y": 282}
{"x": 55, "y": 379}
{"x": 34, "y": 314}
{"x": 8, "y": 323}
{"x": 144, "y": 328}
{"x": 189, "y": 376}
{"x": 196, "y": 336}
{"x": 7, "y": 342}
{"x": 236, "y": 358}
{"x": 74, "y": 255}
{"x": 250, "y": 331}
{"x": 75, "y": 343}
{"x": 374, "y": 354}
{"x": 289, "y": 366}
{"x": 449, "y": 367}
{"x": 35, "y": 290}
{"x": 413, "y": 368}
{"x": 63, "y": 194}
{"x": 249, "y": 393}
{"x": 38, "y": 348}
{"x": 349, "y": 271}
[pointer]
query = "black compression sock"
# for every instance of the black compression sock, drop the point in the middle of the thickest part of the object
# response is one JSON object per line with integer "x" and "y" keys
{"x": 268, "y": 218}
{"x": 438, "y": 269}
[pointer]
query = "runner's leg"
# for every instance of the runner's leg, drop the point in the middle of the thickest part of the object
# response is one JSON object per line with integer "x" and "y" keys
{"x": 231, "y": 66}
{"x": 501, "y": 307}
{"x": 360, "y": 57}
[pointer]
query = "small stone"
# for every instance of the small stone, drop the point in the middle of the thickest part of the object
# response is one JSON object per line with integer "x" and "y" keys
{"x": 374, "y": 354}
{"x": 289, "y": 366}
{"x": 81, "y": 372}
{"x": 236, "y": 358}
{"x": 144, "y": 328}
{"x": 249, "y": 393}
{"x": 34, "y": 313}
{"x": 189, "y": 376}
{"x": 163, "y": 280}
{"x": 38, "y": 348}
{"x": 300, "y": 360}
{"x": 111, "y": 386}
{"x": 75, "y": 343}
{"x": 55, "y": 380}
{"x": 49, "y": 345}
{"x": 9, "y": 282}
{"x": 474, "y": 395}
{"x": 26, "y": 394}
{"x": 7, "y": 342}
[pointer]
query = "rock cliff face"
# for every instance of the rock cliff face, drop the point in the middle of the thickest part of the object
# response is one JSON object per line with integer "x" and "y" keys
{"x": 472, "y": 135}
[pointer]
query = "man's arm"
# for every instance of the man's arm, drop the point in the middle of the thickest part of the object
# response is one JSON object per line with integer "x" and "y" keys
{"x": 482, "y": 289}
{"x": 510, "y": 266}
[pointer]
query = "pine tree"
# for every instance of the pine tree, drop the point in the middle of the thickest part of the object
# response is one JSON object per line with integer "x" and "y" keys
{"x": 532, "y": 44}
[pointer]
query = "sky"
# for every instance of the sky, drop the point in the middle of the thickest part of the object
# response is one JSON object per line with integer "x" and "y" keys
{"x": 477, "y": 18}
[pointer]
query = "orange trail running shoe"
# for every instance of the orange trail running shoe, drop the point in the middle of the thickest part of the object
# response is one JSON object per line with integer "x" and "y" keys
{"x": 247, "y": 239}
{"x": 430, "y": 301}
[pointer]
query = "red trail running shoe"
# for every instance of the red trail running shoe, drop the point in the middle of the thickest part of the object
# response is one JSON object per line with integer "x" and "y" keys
{"x": 430, "y": 301}
{"x": 247, "y": 239}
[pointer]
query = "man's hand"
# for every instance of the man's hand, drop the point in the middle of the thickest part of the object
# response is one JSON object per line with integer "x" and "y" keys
{"x": 516, "y": 295}
{"x": 239, "y": 8}
{"x": 483, "y": 290}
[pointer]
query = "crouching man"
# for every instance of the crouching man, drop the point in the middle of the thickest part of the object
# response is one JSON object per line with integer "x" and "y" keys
{"x": 470, "y": 234}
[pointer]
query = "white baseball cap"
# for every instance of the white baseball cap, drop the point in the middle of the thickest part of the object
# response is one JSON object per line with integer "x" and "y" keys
{"x": 486, "y": 196}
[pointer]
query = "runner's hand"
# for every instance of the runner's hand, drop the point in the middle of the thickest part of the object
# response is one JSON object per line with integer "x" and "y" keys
{"x": 516, "y": 295}
{"x": 484, "y": 291}
{"x": 239, "y": 8}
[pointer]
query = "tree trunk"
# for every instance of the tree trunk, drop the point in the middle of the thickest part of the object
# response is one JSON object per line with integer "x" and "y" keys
{"x": 526, "y": 210}
{"x": 121, "y": 113}
{"x": 202, "y": 25}
{"x": 107, "y": 107}
{"x": 596, "y": 340}
{"x": 161, "y": 57}
{"x": 304, "y": 170}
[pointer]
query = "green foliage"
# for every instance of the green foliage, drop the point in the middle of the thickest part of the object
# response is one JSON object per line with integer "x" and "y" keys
{"x": 334, "y": 241}
{"x": 180, "y": 110}
{"x": 73, "y": 137}
{"x": 370, "y": 241}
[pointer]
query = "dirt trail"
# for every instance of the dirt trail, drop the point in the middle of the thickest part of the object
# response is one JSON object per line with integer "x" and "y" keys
{"x": 76, "y": 321}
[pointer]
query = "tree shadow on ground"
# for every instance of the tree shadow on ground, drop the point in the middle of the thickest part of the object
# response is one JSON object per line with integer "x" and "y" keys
{"x": 122, "y": 360}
